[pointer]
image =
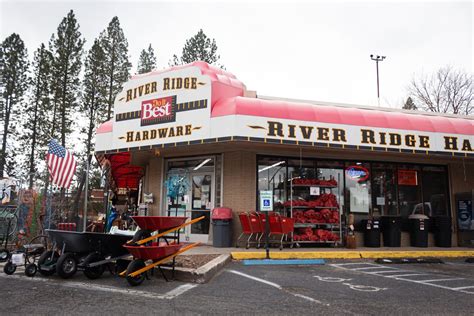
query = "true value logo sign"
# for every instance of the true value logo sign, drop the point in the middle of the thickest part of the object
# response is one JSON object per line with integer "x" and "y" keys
{"x": 162, "y": 108}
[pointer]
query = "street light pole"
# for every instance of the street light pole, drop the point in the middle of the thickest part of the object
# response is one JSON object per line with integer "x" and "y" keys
{"x": 377, "y": 58}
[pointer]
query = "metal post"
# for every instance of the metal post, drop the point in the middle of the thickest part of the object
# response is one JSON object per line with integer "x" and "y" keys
{"x": 377, "y": 58}
{"x": 378, "y": 89}
{"x": 86, "y": 193}
{"x": 267, "y": 233}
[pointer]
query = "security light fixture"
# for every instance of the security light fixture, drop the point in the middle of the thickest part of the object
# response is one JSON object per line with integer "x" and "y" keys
{"x": 272, "y": 166}
{"x": 202, "y": 164}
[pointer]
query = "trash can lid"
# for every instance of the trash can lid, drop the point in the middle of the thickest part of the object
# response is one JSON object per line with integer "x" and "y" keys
{"x": 221, "y": 213}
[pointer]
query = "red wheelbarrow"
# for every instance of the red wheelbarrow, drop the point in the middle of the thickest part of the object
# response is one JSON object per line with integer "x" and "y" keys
{"x": 148, "y": 254}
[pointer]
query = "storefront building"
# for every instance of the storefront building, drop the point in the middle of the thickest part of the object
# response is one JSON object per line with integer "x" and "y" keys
{"x": 192, "y": 138}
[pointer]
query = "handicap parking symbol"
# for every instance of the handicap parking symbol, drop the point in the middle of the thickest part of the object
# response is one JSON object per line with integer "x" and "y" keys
{"x": 266, "y": 202}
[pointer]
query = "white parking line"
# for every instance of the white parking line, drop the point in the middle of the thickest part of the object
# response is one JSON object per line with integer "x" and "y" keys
{"x": 463, "y": 287}
{"x": 404, "y": 275}
{"x": 443, "y": 280}
{"x": 353, "y": 263}
{"x": 179, "y": 290}
{"x": 251, "y": 277}
{"x": 369, "y": 268}
{"x": 395, "y": 275}
{"x": 105, "y": 288}
{"x": 385, "y": 271}
{"x": 255, "y": 279}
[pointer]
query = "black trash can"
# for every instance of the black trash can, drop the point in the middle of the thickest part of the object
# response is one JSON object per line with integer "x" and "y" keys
{"x": 222, "y": 227}
{"x": 371, "y": 232}
{"x": 419, "y": 232}
{"x": 391, "y": 231}
{"x": 442, "y": 231}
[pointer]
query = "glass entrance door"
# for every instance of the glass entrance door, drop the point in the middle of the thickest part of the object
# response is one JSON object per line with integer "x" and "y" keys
{"x": 202, "y": 197}
{"x": 190, "y": 187}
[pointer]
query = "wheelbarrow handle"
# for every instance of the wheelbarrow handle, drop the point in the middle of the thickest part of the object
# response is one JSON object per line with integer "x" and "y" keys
{"x": 143, "y": 241}
{"x": 154, "y": 264}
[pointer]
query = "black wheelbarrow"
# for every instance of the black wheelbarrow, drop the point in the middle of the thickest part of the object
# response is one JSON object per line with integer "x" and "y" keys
{"x": 87, "y": 251}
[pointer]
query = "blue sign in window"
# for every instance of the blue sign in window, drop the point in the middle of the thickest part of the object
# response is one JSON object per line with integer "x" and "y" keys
{"x": 266, "y": 202}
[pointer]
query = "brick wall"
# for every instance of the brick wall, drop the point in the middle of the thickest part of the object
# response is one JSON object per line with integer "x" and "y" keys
{"x": 239, "y": 191}
{"x": 153, "y": 184}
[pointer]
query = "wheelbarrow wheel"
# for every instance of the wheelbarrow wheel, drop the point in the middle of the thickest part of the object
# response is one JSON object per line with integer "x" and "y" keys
{"x": 93, "y": 272}
{"x": 47, "y": 259}
{"x": 66, "y": 266}
{"x": 9, "y": 268}
{"x": 4, "y": 255}
{"x": 135, "y": 265}
{"x": 31, "y": 269}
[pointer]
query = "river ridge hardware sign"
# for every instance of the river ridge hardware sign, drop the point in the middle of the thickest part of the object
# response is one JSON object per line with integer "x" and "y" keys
{"x": 151, "y": 108}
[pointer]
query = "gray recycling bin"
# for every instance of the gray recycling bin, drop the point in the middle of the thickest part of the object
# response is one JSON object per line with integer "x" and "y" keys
{"x": 222, "y": 227}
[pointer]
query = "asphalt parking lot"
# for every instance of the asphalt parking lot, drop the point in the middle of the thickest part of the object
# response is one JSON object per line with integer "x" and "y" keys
{"x": 338, "y": 287}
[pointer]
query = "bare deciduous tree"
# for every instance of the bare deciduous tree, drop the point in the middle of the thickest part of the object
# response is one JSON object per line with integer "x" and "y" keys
{"x": 446, "y": 91}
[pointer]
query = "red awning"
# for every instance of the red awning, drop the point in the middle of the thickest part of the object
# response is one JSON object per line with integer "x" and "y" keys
{"x": 124, "y": 174}
{"x": 343, "y": 115}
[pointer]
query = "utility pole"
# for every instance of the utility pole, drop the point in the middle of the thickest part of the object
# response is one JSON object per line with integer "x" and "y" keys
{"x": 377, "y": 58}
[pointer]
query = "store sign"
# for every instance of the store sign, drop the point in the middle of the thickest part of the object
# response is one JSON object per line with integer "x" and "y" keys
{"x": 266, "y": 201}
{"x": 162, "y": 108}
{"x": 407, "y": 177}
{"x": 358, "y": 173}
{"x": 345, "y": 135}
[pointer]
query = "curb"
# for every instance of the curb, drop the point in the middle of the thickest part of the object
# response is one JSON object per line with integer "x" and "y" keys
{"x": 353, "y": 254}
{"x": 202, "y": 274}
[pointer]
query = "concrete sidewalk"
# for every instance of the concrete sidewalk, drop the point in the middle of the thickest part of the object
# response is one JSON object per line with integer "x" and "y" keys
{"x": 336, "y": 253}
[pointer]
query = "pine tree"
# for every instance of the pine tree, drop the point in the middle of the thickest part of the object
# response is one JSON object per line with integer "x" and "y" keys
{"x": 409, "y": 104}
{"x": 67, "y": 52}
{"x": 93, "y": 105}
{"x": 13, "y": 84}
{"x": 199, "y": 47}
{"x": 35, "y": 124}
{"x": 115, "y": 46}
{"x": 147, "y": 61}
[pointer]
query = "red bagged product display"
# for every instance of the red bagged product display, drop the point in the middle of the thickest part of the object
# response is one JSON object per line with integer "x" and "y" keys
{"x": 316, "y": 216}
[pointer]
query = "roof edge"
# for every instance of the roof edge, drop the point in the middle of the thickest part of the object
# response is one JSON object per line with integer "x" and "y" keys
{"x": 366, "y": 107}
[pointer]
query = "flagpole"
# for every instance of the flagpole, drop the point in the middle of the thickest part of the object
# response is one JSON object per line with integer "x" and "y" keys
{"x": 85, "y": 195}
{"x": 49, "y": 196}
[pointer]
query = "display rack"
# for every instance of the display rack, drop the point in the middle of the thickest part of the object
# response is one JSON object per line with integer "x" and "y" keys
{"x": 328, "y": 230}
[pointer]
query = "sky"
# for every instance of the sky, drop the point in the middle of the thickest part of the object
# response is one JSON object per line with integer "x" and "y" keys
{"x": 317, "y": 50}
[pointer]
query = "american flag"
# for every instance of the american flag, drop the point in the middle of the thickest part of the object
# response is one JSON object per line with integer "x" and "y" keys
{"x": 61, "y": 165}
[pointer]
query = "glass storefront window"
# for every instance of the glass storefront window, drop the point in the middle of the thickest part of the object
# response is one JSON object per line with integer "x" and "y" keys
{"x": 365, "y": 187}
{"x": 357, "y": 190}
{"x": 384, "y": 189}
{"x": 409, "y": 191}
{"x": 435, "y": 189}
{"x": 272, "y": 176}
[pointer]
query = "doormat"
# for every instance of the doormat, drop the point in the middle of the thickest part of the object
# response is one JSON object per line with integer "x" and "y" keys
{"x": 283, "y": 262}
{"x": 409, "y": 260}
